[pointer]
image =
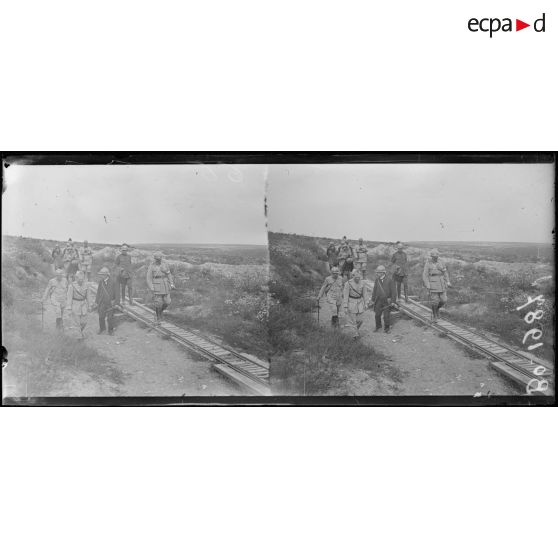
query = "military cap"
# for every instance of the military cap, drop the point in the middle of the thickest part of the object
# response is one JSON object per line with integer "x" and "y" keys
{"x": 380, "y": 269}
{"x": 104, "y": 271}
{"x": 158, "y": 255}
{"x": 434, "y": 252}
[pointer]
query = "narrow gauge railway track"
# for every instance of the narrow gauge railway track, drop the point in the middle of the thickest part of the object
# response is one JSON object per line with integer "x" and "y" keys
{"x": 243, "y": 369}
{"x": 504, "y": 359}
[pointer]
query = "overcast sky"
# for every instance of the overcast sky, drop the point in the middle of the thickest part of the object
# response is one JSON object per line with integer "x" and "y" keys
{"x": 136, "y": 203}
{"x": 439, "y": 202}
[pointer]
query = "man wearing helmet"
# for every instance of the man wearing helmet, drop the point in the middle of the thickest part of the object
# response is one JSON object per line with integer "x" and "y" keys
{"x": 383, "y": 296}
{"x": 361, "y": 257}
{"x": 331, "y": 254}
{"x": 57, "y": 259}
{"x": 160, "y": 283}
{"x": 333, "y": 290}
{"x": 56, "y": 292}
{"x": 71, "y": 260}
{"x": 436, "y": 279}
{"x": 399, "y": 266}
{"x": 355, "y": 293}
{"x": 124, "y": 272}
{"x": 345, "y": 257}
{"x": 107, "y": 298}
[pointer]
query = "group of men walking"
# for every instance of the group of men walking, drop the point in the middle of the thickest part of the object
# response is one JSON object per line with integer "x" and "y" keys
{"x": 74, "y": 299}
{"x": 348, "y": 294}
{"x": 348, "y": 259}
{"x": 72, "y": 259}
{"x": 70, "y": 292}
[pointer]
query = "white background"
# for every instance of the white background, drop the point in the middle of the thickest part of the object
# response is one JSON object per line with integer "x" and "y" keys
{"x": 283, "y": 75}
{"x": 276, "y": 482}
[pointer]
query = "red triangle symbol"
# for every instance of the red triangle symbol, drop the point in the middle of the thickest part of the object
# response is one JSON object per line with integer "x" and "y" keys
{"x": 519, "y": 25}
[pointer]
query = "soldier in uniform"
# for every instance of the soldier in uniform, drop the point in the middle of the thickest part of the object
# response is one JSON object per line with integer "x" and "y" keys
{"x": 436, "y": 279}
{"x": 399, "y": 266}
{"x": 331, "y": 253}
{"x": 160, "y": 283}
{"x": 107, "y": 298}
{"x": 124, "y": 272}
{"x": 345, "y": 258}
{"x": 57, "y": 259}
{"x": 78, "y": 300}
{"x": 67, "y": 257}
{"x": 361, "y": 257}
{"x": 71, "y": 260}
{"x": 56, "y": 291}
{"x": 333, "y": 290}
{"x": 86, "y": 259}
{"x": 383, "y": 296}
{"x": 355, "y": 293}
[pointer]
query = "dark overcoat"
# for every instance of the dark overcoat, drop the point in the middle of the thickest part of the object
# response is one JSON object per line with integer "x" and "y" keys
{"x": 107, "y": 294}
{"x": 382, "y": 291}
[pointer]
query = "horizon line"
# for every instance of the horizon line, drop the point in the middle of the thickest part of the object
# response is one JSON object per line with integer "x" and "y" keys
{"x": 551, "y": 242}
{"x": 135, "y": 243}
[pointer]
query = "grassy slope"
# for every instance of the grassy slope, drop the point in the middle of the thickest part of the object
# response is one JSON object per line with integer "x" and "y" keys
{"x": 219, "y": 253}
{"x": 480, "y": 296}
{"x": 486, "y": 299}
{"x": 25, "y": 271}
{"x": 307, "y": 359}
{"x": 219, "y": 290}
{"x": 212, "y": 295}
{"x": 230, "y": 304}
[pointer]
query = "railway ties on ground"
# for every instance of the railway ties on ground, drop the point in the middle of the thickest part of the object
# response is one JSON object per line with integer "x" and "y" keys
{"x": 250, "y": 373}
{"x": 510, "y": 362}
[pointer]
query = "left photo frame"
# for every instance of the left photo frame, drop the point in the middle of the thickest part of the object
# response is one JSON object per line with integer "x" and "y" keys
{"x": 127, "y": 281}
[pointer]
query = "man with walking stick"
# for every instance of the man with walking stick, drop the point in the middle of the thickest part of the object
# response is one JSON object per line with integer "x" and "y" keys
{"x": 56, "y": 292}
{"x": 333, "y": 290}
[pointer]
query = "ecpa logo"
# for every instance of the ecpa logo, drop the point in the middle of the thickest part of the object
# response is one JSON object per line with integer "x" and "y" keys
{"x": 494, "y": 24}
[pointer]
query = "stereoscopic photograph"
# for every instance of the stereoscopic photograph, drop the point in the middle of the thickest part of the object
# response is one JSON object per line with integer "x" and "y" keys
{"x": 134, "y": 280}
{"x": 412, "y": 279}
{"x": 309, "y": 282}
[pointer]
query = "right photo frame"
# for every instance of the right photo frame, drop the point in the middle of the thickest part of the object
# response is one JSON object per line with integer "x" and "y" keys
{"x": 412, "y": 278}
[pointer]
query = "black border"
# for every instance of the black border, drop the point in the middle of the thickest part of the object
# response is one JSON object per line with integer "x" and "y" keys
{"x": 278, "y": 157}
{"x": 271, "y": 157}
{"x": 288, "y": 401}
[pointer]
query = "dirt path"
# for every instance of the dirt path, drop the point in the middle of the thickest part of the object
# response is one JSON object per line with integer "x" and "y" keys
{"x": 142, "y": 363}
{"x": 430, "y": 364}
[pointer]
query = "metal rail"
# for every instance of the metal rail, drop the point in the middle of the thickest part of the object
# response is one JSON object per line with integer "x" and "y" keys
{"x": 511, "y": 362}
{"x": 245, "y": 370}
